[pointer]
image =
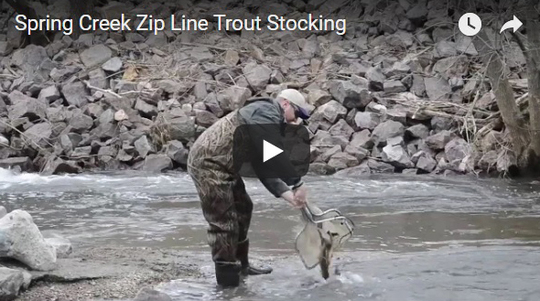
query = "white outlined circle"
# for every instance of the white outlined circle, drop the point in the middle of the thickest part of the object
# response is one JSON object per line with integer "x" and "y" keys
{"x": 470, "y": 24}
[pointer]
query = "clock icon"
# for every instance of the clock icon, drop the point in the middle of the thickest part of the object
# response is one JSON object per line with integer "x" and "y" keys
{"x": 470, "y": 24}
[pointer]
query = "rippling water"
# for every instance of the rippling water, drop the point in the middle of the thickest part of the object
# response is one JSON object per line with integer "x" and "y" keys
{"x": 417, "y": 237}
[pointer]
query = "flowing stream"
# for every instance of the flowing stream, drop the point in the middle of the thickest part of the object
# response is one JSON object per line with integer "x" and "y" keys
{"x": 417, "y": 237}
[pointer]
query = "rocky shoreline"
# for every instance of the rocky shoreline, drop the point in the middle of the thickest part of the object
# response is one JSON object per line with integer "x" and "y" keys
{"x": 111, "y": 101}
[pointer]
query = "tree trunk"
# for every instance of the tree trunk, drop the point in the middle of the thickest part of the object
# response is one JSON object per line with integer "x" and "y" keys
{"x": 533, "y": 74}
{"x": 510, "y": 113}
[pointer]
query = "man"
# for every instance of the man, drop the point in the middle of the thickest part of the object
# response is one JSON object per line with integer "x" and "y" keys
{"x": 225, "y": 203}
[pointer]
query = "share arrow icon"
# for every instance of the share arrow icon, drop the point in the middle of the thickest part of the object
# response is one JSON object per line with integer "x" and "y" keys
{"x": 514, "y": 24}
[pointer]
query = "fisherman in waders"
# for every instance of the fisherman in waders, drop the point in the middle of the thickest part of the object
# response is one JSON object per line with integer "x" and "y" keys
{"x": 225, "y": 203}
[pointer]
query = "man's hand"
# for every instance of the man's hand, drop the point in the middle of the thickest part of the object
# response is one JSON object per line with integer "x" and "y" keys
{"x": 300, "y": 196}
{"x": 290, "y": 197}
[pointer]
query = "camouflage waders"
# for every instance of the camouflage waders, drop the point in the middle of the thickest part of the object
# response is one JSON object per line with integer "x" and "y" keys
{"x": 225, "y": 203}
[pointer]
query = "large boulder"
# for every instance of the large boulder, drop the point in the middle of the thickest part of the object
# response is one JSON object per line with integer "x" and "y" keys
{"x": 233, "y": 98}
{"x": 342, "y": 128}
{"x": 61, "y": 244}
{"x": 342, "y": 160}
{"x": 386, "y": 130}
{"x": 417, "y": 131}
{"x": 367, "y": 120}
{"x": 24, "y": 106}
{"x": 35, "y": 63}
{"x": 23, "y": 163}
{"x": 175, "y": 125}
{"x": 75, "y": 94}
{"x": 438, "y": 141}
{"x": 330, "y": 111}
{"x": 11, "y": 283}
{"x": 380, "y": 167}
{"x": 424, "y": 161}
{"x": 362, "y": 139}
{"x": 356, "y": 171}
{"x": 257, "y": 75}
{"x": 395, "y": 154}
{"x": 21, "y": 239}
{"x": 157, "y": 163}
{"x": 96, "y": 55}
{"x": 177, "y": 152}
{"x": 38, "y": 135}
{"x": 456, "y": 150}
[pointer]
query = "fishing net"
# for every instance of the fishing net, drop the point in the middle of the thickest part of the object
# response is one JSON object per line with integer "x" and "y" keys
{"x": 323, "y": 234}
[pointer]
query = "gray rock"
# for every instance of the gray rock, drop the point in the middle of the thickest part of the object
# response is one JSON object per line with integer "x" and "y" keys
{"x": 148, "y": 294}
{"x": 397, "y": 113}
{"x": 199, "y": 90}
{"x": 5, "y": 48}
{"x": 212, "y": 104}
{"x": 61, "y": 244}
{"x": 386, "y": 130}
{"x": 176, "y": 124}
{"x": 358, "y": 152}
{"x": 445, "y": 49}
{"x": 205, "y": 118}
{"x": 318, "y": 97}
{"x": 3, "y": 211}
{"x": 326, "y": 155}
{"x": 22, "y": 240}
{"x": 64, "y": 73}
{"x": 146, "y": 109}
{"x": 60, "y": 166}
{"x": 394, "y": 86}
{"x": 24, "y": 163}
{"x": 49, "y": 94}
{"x": 417, "y": 131}
{"x": 439, "y": 124}
{"x": 342, "y": 160}
{"x": 324, "y": 139}
{"x": 94, "y": 110}
{"x": 331, "y": 111}
{"x": 201, "y": 54}
{"x": 143, "y": 146}
{"x": 113, "y": 65}
{"x": 488, "y": 161}
{"x": 410, "y": 171}
{"x": 76, "y": 94}
{"x": 95, "y": 55}
{"x": 376, "y": 79}
{"x": 437, "y": 88}
{"x": 257, "y": 75}
{"x": 465, "y": 45}
{"x": 3, "y": 141}
{"x": 97, "y": 78}
{"x": 156, "y": 40}
{"x": 341, "y": 128}
{"x": 81, "y": 122}
{"x": 438, "y": 141}
{"x": 177, "y": 152}
{"x": 108, "y": 151}
{"x": 24, "y": 106}
{"x": 367, "y": 120}
{"x": 362, "y": 139}
{"x": 157, "y": 163}
{"x": 233, "y": 98}
{"x": 395, "y": 154}
{"x": 231, "y": 57}
{"x": 456, "y": 150}
{"x": 418, "y": 13}
{"x": 350, "y": 95}
{"x": 81, "y": 152}
{"x": 34, "y": 62}
{"x": 39, "y": 134}
{"x": 319, "y": 168}
{"x": 356, "y": 171}
{"x": 380, "y": 167}
{"x": 418, "y": 86}
{"x": 11, "y": 283}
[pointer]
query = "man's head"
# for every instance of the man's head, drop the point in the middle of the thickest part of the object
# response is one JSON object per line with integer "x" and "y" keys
{"x": 294, "y": 105}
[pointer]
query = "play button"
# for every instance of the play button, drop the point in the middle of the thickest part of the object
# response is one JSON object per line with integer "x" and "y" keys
{"x": 270, "y": 151}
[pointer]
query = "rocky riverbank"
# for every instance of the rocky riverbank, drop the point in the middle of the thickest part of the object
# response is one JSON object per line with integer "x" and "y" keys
{"x": 109, "y": 100}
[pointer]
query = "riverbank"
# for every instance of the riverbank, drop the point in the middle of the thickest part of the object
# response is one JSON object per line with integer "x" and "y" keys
{"x": 399, "y": 92}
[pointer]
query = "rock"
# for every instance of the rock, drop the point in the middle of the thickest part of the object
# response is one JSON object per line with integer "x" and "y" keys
{"x": 341, "y": 128}
{"x": 257, "y": 75}
{"x": 177, "y": 152}
{"x": 60, "y": 166}
{"x": 439, "y": 124}
{"x": 24, "y": 163}
{"x": 445, "y": 49}
{"x": 418, "y": 87}
{"x": 356, "y": 171}
{"x": 318, "y": 97}
{"x": 465, "y": 45}
{"x": 176, "y": 124}
{"x": 148, "y": 294}
{"x": 108, "y": 151}
{"x": 146, "y": 109}
{"x": 342, "y": 160}
{"x": 456, "y": 150}
{"x": 81, "y": 122}
{"x": 232, "y": 57}
{"x": 397, "y": 113}
{"x": 324, "y": 139}
{"x": 205, "y": 118}
{"x": 34, "y": 62}
{"x": 367, "y": 120}
{"x": 75, "y": 94}
{"x": 418, "y": 14}
{"x": 437, "y": 88}
{"x": 394, "y": 86}
{"x": 425, "y": 162}
{"x": 61, "y": 244}
{"x": 49, "y": 94}
{"x": 11, "y": 283}
{"x": 22, "y": 240}
{"x": 199, "y": 90}
{"x": 331, "y": 111}
{"x": 24, "y": 106}
{"x": 326, "y": 155}
{"x": 120, "y": 115}
{"x": 81, "y": 152}
{"x": 3, "y": 211}
{"x": 376, "y": 79}
{"x": 3, "y": 141}
{"x": 417, "y": 131}
{"x": 362, "y": 140}
{"x": 38, "y": 134}
{"x": 201, "y": 54}
{"x": 386, "y": 130}
{"x": 488, "y": 162}
{"x": 395, "y": 154}
{"x": 157, "y": 162}
{"x": 143, "y": 146}
{"x": 233, "y": 98}
{"x": 319, "y": 168}
{"x": 358, "y": 152}
{"x": 5, "y": 48}
{"x": 112, "y": 65}
{"x": 96, "y": 55}
{"x": 438, "y": 141}
{"x": 156, "y": 40}
{"x": 410, "y": 171}
{"x": 212, "y": 104}
{"x": 380, "y": 167}
{"x": 350, "y": 95}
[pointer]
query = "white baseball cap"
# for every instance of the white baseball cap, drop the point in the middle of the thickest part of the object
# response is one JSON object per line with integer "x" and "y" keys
{"x": 298, "y": 100}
